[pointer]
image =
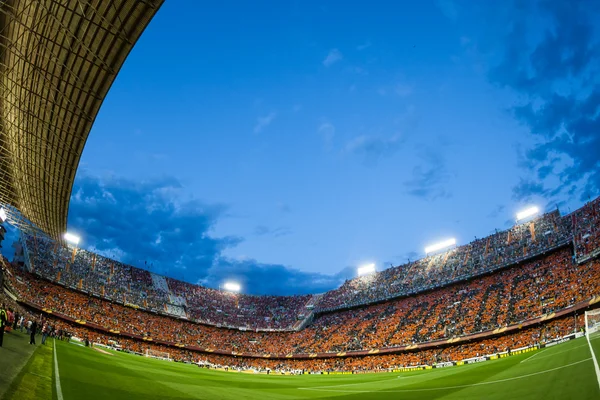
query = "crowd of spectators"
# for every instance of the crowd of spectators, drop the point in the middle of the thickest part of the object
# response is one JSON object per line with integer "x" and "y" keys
{"x": 493, "y": 252}
{"x": 501, "y": 280}
{"x": 586, "y": 229}
{"x": 83, "y": 270}
{"x": 93, "y": 273}
{"x": 223, "y": 308}
{"x": 507, "y": 297}
{"x": 537, "y": 335}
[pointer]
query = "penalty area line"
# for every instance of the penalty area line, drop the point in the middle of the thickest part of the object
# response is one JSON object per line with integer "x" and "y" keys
{"x": 59, "y": 394}
{"x": 533, "y": 355}
{"x": 448, "y": 387}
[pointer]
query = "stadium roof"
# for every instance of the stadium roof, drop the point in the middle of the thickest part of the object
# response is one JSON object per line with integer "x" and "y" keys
{"x": 58, "y": 58}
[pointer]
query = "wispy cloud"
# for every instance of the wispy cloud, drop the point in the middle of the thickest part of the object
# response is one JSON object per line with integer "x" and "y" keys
{"x": 283, "y": 207}
{"x": 327, "y": 132}
{"x": 332, "y": 57}
{"x": 449, "y": 8}
{"x": 263, "y": 230}
{"x": 373, "y": 148}
{"x": 428, "y": 179}
{"x": 263, "y": 122}
{"x": 399, "y": 89}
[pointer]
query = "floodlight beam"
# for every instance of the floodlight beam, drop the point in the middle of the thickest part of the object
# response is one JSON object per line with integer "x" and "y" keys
{"x": 440, "y": 245}
{"x": 528, "y": 212}
{"x": 366, "y": 269}
{"x": 3, "y": 215}
{"x": 74, "y": 239}
{"x": 232, "y": 286}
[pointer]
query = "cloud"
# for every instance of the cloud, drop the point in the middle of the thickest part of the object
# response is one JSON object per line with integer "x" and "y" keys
{"x": 147, "y": 221}
{"x": 333, "y": 56}
{"x": 399, "y": 89}
{"x": 275, "y": 279}
{"x": 263, "y": 230}
{"x": 374, "y": 148}
{"x": 499, "y": 209}
{"x": 557, "y": 79}
{"x": 327, "y": 132}
{"x": 283, "y": 207}
{"x": 449, "y": 8}
{"x": 137, "y": 222}
{"x": 263, "y": 122}
{"x": 429, "y": 178}
{"x": 526, "y": 189}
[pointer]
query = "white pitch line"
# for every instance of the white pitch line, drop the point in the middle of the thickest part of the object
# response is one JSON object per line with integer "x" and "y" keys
{"x": 448, "y": 387}
{"x": 58, "y": 388}
{"x": 594, "y": 358}
{"x": 533, "y": 355}
{"x": 553, "y": 354}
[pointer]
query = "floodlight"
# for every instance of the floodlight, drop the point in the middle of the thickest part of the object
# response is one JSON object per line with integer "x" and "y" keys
{"x": 440, "y": 245}
{"x": 232, "y": 286}
{"x": 366, "y": 269}
{"x": 2, "y": 214}
{"x": 69, "y": 237}
{"x": 528, "y": 212}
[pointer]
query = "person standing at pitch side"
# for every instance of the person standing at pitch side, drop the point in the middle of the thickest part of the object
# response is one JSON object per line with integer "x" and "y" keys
{"x": 34, "y": 326}
{"x": 3, "y": 320}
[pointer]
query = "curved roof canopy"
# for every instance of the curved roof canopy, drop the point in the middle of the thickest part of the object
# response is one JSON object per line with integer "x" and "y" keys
{"x": 58, "y": 58}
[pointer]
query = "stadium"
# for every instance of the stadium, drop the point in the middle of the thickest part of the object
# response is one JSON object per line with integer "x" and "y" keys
{"x": 515, "y": 314}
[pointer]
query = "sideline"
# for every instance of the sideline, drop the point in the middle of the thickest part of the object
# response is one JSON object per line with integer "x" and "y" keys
{"x": 59, "y": 394}
{"x": 446, "y": 387}
{"x": 593, "y": 357}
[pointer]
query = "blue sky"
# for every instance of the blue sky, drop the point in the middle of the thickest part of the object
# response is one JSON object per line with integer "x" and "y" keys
{"x": 285, "y": 143}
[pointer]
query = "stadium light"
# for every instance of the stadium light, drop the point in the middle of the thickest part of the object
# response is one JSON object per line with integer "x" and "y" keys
{"x": 3, "y": 215}
{"x": 366, "y": 269}
{"x": 232, "y": 286}
{"x": 440, "y": 245}
{"x": 69, "y": 237}
{"x": 528, "y": 212}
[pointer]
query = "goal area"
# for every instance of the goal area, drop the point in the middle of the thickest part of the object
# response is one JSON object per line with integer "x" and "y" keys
{"x": 592, "y": 323}
{"x": 161, "y": 355}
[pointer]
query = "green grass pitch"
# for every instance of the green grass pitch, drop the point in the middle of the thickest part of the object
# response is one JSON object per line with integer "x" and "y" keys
{"x": 561, "y": 372}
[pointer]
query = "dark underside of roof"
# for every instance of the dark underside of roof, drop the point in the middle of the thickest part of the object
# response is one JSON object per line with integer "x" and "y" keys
{"x": 58, "y": 60}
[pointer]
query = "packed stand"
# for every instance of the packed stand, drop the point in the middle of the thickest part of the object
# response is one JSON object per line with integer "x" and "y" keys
{"x": 586, "y": 229}
{"x": 220, "y": 308}
{"x": 508, "y": 297}
{"x": 496, "y": 251}
{"x": 83, "y": 270}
